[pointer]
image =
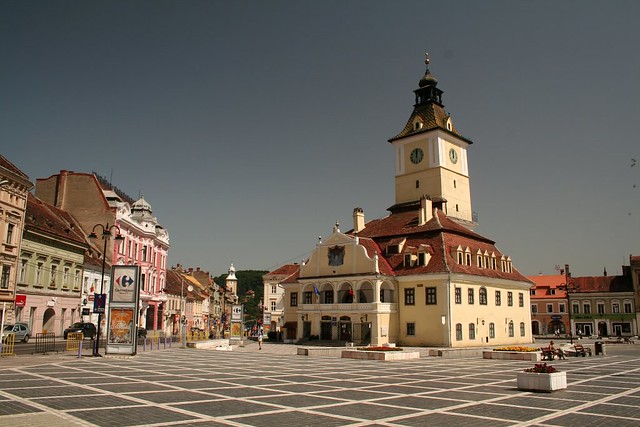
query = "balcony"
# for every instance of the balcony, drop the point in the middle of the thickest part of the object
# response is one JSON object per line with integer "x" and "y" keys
{"x": 372, "y": 307}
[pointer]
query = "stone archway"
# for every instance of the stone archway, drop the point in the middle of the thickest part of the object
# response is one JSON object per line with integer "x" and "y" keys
{"x": 48, "y": 320}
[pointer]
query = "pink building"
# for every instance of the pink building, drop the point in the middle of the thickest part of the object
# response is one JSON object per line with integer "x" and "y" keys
{"x": 94, "y": 203}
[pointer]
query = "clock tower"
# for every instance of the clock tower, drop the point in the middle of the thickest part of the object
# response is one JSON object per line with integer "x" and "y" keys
{"x": 431, "y": 156}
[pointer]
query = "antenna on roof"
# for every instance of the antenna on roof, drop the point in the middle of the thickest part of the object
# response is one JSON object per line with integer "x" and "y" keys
{"x": 111, "y": 178}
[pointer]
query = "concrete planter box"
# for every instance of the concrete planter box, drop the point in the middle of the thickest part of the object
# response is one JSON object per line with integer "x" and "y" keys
{"x": 533, "y": 381}
{"x": 380, "y": 355}
{"x": 532, "y": 356}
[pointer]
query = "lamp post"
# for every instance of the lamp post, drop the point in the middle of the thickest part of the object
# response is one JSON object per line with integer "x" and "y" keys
{"x": 568, "y": 288}
{"x": 183, "y": 309}
{"x": 106, "y": 235}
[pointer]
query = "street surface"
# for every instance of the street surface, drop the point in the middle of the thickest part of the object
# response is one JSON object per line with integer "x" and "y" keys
{"x": 274, "y": 386}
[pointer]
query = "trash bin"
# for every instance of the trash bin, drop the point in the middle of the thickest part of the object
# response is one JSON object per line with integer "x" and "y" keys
{"x": 600, "y": 348}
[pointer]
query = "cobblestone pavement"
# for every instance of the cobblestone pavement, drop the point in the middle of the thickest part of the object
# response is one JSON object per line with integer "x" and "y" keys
{"x": 274, "y": 386}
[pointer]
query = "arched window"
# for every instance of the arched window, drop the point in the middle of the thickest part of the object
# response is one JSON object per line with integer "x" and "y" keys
{"x": 458, "y": 331}
{"x": 483, "y": 296}
{"x": 472, "y": 331}
{"x": 511, "y": 331}
{"x": 522, "y": 331}
{"x": 492, "y": 330}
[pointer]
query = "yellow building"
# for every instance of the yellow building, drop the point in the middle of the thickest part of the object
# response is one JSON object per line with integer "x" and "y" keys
{"x": 419, "y": 276}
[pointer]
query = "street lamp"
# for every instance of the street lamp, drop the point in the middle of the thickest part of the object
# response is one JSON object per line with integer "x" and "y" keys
{"x": 106, "y": 235}
{"x": 568, "y": 288}
{"x": 183, "y": 309}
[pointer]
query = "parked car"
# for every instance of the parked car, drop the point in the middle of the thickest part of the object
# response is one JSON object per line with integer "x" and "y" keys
{"x": 87, "y": 328}
{"x": 21, "y": 331}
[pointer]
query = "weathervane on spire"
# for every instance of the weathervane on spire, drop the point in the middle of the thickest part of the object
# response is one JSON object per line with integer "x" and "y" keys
{"x": 426, "y": 58}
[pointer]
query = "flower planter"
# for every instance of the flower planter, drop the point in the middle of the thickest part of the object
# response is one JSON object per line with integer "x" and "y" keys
{"x": 380, "y": 355}
{"x": 534, "y": 381}
{"x": 533, "y": 356}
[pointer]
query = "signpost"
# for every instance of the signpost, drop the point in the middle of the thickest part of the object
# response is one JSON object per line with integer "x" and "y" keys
{"x": 123, "y": 309}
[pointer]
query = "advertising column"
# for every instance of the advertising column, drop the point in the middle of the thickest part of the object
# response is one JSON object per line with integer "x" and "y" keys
{"x": 123, "y": 310}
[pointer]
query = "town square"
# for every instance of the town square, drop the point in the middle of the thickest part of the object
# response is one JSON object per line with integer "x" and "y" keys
{"x": 243, "y": 213}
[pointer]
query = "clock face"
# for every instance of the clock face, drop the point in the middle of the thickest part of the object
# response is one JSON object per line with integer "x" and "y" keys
{"x": 453, "y": 155}
{"x": 416, "y": 156}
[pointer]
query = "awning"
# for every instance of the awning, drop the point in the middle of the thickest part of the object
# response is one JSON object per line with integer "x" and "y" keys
{"x": 290, "y": 325}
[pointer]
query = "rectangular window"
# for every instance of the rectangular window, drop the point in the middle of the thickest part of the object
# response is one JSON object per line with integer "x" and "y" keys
{"x": 144, "y": 253}
{"x": 142, "y": 282}
{"x": 66, "y": 276}
{"x": 562, "y": 308}
{"x": 23, "y": 270}
{"x": 431, "y": 296}
{"x": 472, "y": 331}
{"x": 54, "y": 272}
{"x": 294, "y": 299}
{"x": 522, "y": 329}
{"x": 9, "y": 239}
{"x": 498, "y": 298}
{"x": 4, "y": 279}
{"x": 422, "y": 258}
{"x": 586, "y": 308}
{"x": 520, "y": 299}
{"x": 510, "y": 299}
{"x": 273, "y": 306}
{"x": 273, "y": 289}
{"x": 575, "y": 308}
{"x": 39, "y": 274}
{"x": 308, "y": 297}
{"x": 615, "y": 307}
{"x": 534, "y": 308}
{"x": 471, "y": 297}
{"x": 409, "y": 296}
{"x": 458, "y": 331}
{"x": 492, "y": 330}
{"x": 627, "y": 307}
{"x": 458, "y": 295}
{"x": 601, "y": 308}
{"x": 328, "y": 297}
{"x": 76, "y": 280}
{"x": 411, "y": 328}
{"x": 407, "y": 260}
{"x": 549, "y": 308}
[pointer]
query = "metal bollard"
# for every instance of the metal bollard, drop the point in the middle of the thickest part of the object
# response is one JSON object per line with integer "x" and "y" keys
{"x": 80, "y": 350}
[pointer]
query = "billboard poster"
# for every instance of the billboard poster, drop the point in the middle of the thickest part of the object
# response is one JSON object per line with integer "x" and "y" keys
{"x": 236, "y": 313}
{"x": 121, "y": 326}
{"x": 236, "y": 330}
{"x": 124, "y": 283}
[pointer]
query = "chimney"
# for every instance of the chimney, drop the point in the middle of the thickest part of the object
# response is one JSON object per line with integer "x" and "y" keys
{"x": 61, "y": 186}
{"x": 426, "y": 210}
{"x": 358, "y": 220}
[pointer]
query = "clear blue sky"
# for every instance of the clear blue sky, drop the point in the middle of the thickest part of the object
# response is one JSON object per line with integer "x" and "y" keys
{"x": 252, "y": 126}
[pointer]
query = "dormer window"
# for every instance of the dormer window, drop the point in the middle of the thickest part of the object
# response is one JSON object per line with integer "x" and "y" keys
{"x": 407, "y": 260}
{"x": 449, "y": 124}
{"x": 417, "y": 125}
{"x": 393, "y": 249}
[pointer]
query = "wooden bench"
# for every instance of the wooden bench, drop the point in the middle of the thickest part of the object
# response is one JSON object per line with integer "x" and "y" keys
{"x": 582, "y": 350}
{"x": 547, "y": 353}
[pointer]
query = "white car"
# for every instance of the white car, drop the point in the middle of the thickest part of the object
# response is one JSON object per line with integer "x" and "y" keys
{"x": 21, "y": 331}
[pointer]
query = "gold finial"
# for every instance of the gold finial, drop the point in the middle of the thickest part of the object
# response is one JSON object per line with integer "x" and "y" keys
{"x": 426, "y": 58}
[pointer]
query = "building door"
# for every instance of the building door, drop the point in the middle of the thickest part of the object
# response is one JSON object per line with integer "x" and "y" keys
{"x": 602, "y": 329}
{"x": 325, "y": 328}
{"x": 48, "y": 320}
{"x": 345, "y": 328}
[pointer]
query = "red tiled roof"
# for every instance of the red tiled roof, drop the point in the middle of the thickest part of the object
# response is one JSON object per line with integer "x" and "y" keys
{"x": 50, "y": 220}
{"x": 285, "y": 270}
{"x": 442, "y": 236}
{"x": 583, "y": 284}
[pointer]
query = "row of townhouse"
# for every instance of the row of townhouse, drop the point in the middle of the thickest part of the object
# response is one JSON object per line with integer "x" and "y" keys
{"x": 52, "y": 270}
{"x": 562, "y": 304}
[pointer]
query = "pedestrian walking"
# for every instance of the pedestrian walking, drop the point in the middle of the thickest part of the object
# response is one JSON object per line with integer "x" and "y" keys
{"x": 260, "y": 339}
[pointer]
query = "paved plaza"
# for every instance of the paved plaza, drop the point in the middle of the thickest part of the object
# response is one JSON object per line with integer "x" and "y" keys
{"x": 275, "y": 387}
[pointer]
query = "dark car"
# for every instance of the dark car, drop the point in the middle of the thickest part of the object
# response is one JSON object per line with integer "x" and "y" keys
{"x": 87, "y": 328}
